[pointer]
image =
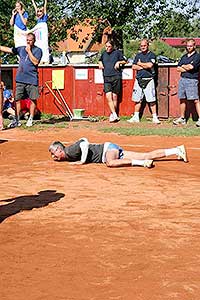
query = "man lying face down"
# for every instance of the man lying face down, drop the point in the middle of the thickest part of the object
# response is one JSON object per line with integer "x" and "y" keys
{"x": 83, "y": 152}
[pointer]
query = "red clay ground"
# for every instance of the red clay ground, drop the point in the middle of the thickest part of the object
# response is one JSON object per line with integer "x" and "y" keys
{"x": 94, "y": 233}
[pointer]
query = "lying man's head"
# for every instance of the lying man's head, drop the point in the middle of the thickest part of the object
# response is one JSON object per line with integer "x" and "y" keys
{"x": 57, "y": 151}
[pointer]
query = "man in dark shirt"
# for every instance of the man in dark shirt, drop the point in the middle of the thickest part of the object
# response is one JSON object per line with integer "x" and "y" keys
{"x": 188, "y": 67}
{"x": 27, "y": 76}
{"x": 112, "y": 155}
{"x": 110, "y": 62}
{"x": 144, "y": 85}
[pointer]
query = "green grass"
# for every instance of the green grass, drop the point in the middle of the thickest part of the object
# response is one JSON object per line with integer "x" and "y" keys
{"x": 144, "y": 128}
{"x": 172, "y": 131}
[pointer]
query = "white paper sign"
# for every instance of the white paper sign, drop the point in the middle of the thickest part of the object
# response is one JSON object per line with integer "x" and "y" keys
{"x": 127, "y": 74}
{"x": 81, "y": 74}
{"x": 98, "y": 76}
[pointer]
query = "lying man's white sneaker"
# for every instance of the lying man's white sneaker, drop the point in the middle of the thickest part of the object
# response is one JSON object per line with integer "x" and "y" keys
{"x": 182, "y": 155}
{"x": 29, "y": 123}
{"x": 134, "y": 119}
{"x": 148, "y": 163}
{"x": 156, "y": 121}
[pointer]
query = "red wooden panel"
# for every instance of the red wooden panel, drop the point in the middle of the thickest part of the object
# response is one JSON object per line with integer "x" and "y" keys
{"x": 88, "y": 94}
{"x": 174, "y": 103}
{"x": 163, "y": 92}
{"x": 47, "y": 102}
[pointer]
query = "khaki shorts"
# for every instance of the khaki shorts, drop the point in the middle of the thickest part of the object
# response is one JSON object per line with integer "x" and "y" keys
{"x": 149, "y": 92}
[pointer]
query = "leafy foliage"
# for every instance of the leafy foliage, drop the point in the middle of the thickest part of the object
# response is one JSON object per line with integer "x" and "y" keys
{"x": 129, "y": 19}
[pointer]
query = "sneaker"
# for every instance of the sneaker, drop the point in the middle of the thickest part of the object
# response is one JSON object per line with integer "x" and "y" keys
{"x": 113, "y": 118}
{"x": 179, "y": 121}
{"x": 155, "y": 120}
{"x": 29, "y": 123}
{"x": 148, "y": 163}
{"x": 134, "y": 119}
{"x": 182, "y": 155}
{"x": 14, "y": 123}
{"x": 11, "y": 117}
{"x": 198, "y": 123}
{"x": 26, "y": 116}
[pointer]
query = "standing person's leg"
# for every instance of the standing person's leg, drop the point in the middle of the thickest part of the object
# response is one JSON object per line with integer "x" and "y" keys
{"x": 137, "y": 97}
{"x": 19, "y": 94}
{"x": 150, "y": 94}
{"x": 33, "y": 93}
{"x": 182, "y": 95}
{"x": 115, "y": 101}
{"x": 29, "y": 122}
{"x": 109, "y": 97}
{"x": 197, "y": 106}
{"x": 112, "y": 103}
{"x": 1, "y": 106}
{"x": 181, "y": 120}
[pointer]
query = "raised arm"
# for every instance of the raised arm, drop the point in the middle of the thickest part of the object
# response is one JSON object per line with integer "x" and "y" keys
{"x": 35, "y": 6}
{"x": 6, "y": 49}
{"x": 45, "y": 7}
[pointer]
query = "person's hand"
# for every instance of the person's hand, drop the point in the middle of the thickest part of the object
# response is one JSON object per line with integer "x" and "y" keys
{"x": 28, "y": 48}
{"x": 14, "y": 12}
{"x": 101, "y": 67}
{"x": 117, "y": 65}
{"x": 76, "y": 163}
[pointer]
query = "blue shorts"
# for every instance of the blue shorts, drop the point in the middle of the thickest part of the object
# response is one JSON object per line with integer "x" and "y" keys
{"x": 188, "y": 89}
{"x": 114, "y": 146}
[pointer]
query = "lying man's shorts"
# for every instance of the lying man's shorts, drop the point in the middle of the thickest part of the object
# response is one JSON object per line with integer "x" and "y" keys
{"x": 110, "y": 146}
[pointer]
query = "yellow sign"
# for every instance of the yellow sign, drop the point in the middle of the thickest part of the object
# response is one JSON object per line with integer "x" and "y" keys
{"x": 58, "y": 77}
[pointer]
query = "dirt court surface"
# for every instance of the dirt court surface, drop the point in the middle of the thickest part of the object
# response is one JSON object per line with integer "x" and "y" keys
{"x": 93, "y": 233}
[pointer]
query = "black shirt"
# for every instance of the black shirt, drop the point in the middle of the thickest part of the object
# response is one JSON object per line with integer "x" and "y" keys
{"x": 145, "y": 58}
{"x": 109, "y": 60}
{"x": 193, "y": 60}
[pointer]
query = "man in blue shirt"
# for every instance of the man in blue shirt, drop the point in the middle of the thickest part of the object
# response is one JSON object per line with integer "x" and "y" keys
{"x": 27, "y": 76}
{"x": 144, "y": 85}
{"x": 188, "y": 67}
{"x": 110, "y": 62}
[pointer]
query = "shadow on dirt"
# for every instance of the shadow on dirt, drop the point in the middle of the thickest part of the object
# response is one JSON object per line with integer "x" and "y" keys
{"x": 15, "y": 205}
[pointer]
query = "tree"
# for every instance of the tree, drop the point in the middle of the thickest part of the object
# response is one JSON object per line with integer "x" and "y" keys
{"x": 137, "y": 19}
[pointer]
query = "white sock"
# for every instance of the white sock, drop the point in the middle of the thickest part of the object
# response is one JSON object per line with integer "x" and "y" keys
{"x": 171, "y": 151}
{"x": 30, "y": 117}
{"x": 114, "y": 115}
{"x": 136, "y": 114}
{"x": 137, "y": 162}
{"x": 154, "y": 116}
